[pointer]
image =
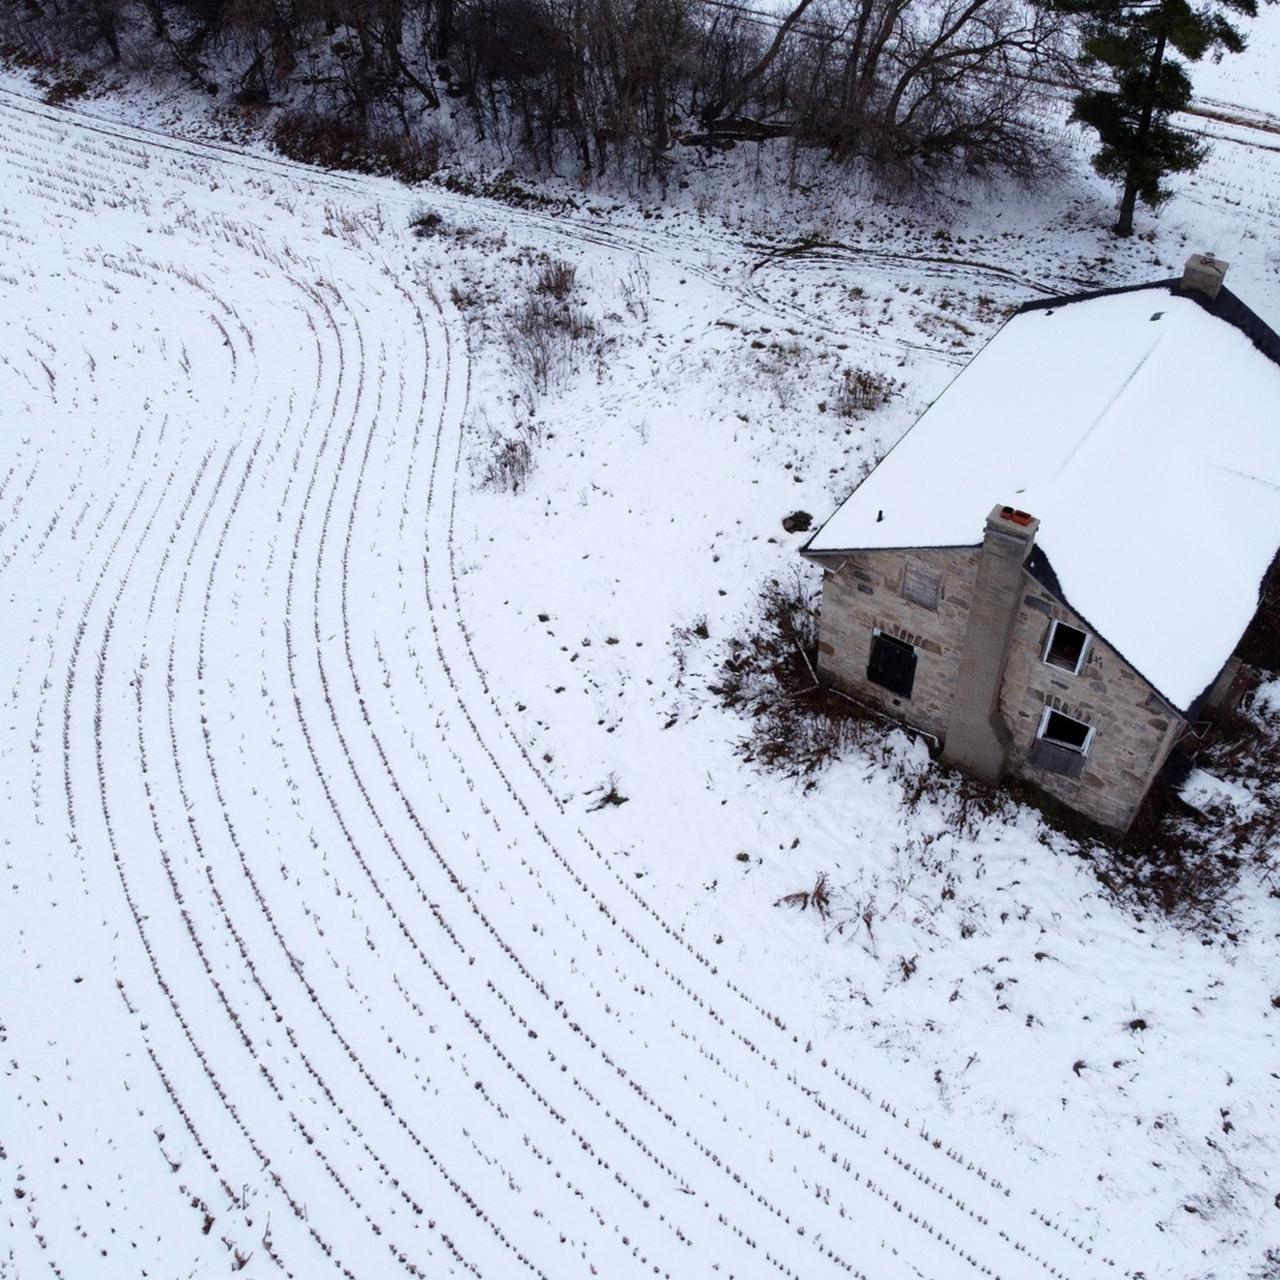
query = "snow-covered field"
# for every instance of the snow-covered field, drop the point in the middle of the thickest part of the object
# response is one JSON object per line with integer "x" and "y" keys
{"x": 320, "y": 951}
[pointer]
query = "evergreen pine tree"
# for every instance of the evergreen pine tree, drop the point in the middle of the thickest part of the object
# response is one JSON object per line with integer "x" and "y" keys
{"x": 1130, "y": 43}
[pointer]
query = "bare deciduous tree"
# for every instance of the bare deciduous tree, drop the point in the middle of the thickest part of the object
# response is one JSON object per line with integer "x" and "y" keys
{"x": 601, "y": 85}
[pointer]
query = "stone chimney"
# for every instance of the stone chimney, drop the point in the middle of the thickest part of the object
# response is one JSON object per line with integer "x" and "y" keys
{"x": 977, "y": 737}
{"x": 1204, "y": 274}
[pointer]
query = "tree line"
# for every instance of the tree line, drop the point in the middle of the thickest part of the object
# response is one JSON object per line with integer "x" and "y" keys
{"x": 592, "y": 87}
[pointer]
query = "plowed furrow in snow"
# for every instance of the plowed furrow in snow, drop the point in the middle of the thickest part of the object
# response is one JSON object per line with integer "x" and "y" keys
{"x": 892, "y": 1133}
{"x": 371, "y": 1000}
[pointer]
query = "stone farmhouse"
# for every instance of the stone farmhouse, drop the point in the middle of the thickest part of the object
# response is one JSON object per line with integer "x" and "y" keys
{"x": 1072, "y": 632}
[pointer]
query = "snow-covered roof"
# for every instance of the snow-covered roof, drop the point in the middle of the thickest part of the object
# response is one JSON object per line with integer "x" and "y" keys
{"x": 1142, "y": 427}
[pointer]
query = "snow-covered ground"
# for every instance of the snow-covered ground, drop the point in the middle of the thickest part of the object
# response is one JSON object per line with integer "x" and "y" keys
{"x": 321, "y": 950}
{"x": 1250, "y": 79}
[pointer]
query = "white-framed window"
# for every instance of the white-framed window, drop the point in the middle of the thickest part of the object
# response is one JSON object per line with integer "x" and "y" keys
{"x": 921, "y": 583}
{"x": 1065, "y": 732}
{"x": 1066, "y": 647}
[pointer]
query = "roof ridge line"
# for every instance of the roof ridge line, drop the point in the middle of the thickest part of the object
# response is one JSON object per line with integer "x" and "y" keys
{"x": 1106, "y": 409}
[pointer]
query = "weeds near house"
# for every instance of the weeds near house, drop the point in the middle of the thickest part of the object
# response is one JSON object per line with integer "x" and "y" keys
{"x": 769, "y": 676}
{"x": 1188, "y": 865}
{"x": 966, "y": 803}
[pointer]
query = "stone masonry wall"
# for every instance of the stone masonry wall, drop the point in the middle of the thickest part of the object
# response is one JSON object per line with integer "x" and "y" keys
{"x": 867, "y": 593}
{"x": 1134, "y": 726}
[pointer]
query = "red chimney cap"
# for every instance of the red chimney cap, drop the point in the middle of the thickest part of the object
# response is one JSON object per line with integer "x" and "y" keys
{"x": 1023, "y": 518}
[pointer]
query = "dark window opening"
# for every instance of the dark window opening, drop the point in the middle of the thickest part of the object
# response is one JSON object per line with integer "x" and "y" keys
{"x": 1063, "y": 731}
{"x": 1066, "y": 647}
{"x": 892, "y": 665}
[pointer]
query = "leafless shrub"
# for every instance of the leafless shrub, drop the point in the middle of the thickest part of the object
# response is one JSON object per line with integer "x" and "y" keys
{"x": 465, "y": 300}
{"x": 342, "y": 144}
{"x": 862, "y": 392}
{"x": 696, "y": 629}
{"x": 1269, "y": 1267}
{"x": 426, "y": 223}
{"x": 609, "y": 794}
{"x": 819, "y": 897}
{"x": 546, "y": 330}
{"x": 865, "y": 912}
{"x": 510, "y": 456}
{"x": 557, "y": 279}
{"x": 505, "y": 188}
{"x": 635, "y": 290}
{"x": 67, "y": 88}
{"x": 781, "y": 364}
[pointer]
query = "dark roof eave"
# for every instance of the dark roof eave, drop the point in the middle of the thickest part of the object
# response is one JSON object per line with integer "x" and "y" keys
{"x": 843, "y": 553}
{"x": 825, "y": 559}
{"x": 1225, "y": 307}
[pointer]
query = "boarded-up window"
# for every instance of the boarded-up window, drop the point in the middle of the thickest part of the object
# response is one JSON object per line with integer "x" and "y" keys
{"x": 1061, "y": 744}
{"x": 892, "y": 665}
{"x": 921, "y": 583}
{"x": 1052, "y": 758}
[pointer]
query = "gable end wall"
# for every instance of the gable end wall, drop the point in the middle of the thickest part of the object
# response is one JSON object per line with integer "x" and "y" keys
{"x": 867, "y": 593}
{"x": 1135, "y": 728}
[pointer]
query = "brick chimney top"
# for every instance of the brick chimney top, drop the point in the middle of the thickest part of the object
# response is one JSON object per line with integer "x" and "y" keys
{"x": 1013, "y": 522}
{"x": 1204, "y": 273}
{"x": 1015, "y": 516}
